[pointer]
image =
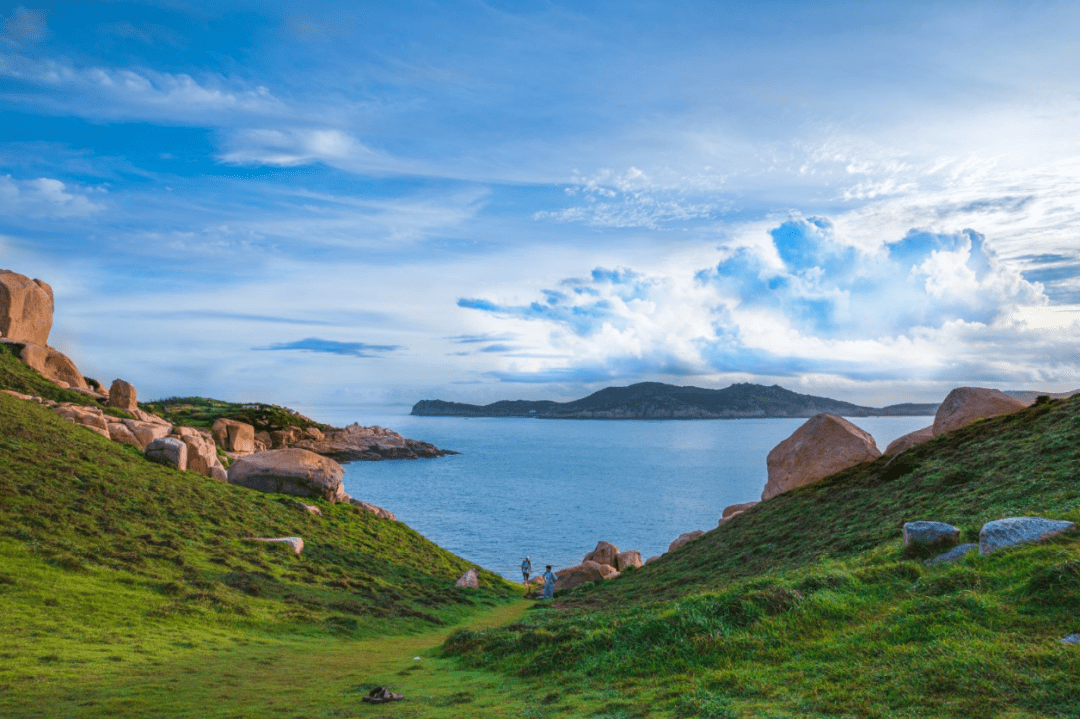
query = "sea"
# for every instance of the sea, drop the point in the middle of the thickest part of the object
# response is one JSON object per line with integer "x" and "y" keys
{"x": 550, "y": 489}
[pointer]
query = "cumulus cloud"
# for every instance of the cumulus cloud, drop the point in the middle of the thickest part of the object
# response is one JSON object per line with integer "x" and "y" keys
{"x": 805, "y": 301}
{"x": 351, "y": 349}
{"x": 45, "y": 197}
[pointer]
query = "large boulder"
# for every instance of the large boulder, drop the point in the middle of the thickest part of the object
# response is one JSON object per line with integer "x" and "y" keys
{"x": 122, "y": 395}
{"x": 147, "y": 432}
{"x": 629, "y": 558}
{"x": 683, "y": 539}
{"x": 824, "y": 445}
{"x": 605, "y": 553}
{"x": 120, "y": 432}
{"x": 26, "y": 308}
{"x": 90, "y": 417}
{"x": 234, "y": 436}
{"x": 1012, "y": 531}
{"x": 587, "y": 571}
{"x": 169, "y": 451}
{"x": 289, "y": 471}
{"x": 53, "y": 365}
{"x": 287, "y": 437}
{"x": 964, "y": 405}
{"x": 201, "y": 450}
{"x": 909, "y": 440}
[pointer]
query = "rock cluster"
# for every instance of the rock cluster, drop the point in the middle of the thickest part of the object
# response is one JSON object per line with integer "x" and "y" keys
{"x": 604, "y": 562}
{"x": 994, "y": 535}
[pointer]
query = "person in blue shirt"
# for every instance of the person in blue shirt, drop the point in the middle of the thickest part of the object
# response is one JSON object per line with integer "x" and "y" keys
{"x": 549, "y": 583}
{"x": 526, "y": 568}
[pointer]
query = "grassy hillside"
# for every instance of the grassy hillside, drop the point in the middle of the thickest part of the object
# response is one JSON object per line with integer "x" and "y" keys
{"x": 111, "y": 565}
{"x": 203, "y": 412}
{"x": 805, "y": 605}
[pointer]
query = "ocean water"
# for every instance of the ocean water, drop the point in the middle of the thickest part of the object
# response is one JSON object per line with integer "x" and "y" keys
{"x": 551, "y": 489}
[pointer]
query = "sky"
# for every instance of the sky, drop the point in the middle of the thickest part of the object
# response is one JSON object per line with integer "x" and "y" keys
{"x": 365, "y": 204}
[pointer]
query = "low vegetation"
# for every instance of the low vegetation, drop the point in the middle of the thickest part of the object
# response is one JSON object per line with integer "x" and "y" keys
{"x": 203, "y": 412}
{"x": 111, "y": 565}
{"x": 806, "y": 605}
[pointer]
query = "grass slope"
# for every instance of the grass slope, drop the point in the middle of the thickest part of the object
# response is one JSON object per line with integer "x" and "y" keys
{"x": 203, "y": 412}
{"x": 806, "y": 606}
{"x": 111, "y": 565}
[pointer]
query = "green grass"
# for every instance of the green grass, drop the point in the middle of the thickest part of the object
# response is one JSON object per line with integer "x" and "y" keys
{"x": 203, "y": 412}
{"x": 14, "y": 375}
{"x": 109, "y": 562}
{"x": 806, "y": 606}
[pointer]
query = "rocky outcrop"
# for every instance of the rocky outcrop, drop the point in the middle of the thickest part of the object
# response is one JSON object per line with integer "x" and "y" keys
{"x": 469, "y": 580}
{"x": 930, "y": 534}
{"x": 909, "y": 440}
{"x": 629, "y": 558}
{"x": 234, "y": 436}
{"x": 824, "y": 445}
{"x": 683, "y": 539}
{"x": 733, "y": 509}
{"x": 90, "y": 417}
{"x": 53, "y": 365}
{"x": 367, "y": 443}
{"x": 289, "y": 471}
{"x": 120, "y": 432}
{"x": 122, "y": 395}
{"x": 169, "y": 451}
{"x": 26, "y": 308}
{"x": 1012, "y": 531}
{"x": 201, "y": 451}
{"x": 652, "y": 559}
{"x": 296, "y": 543}
{"x": 368, "y": 507}
{"x": 587, "y": 571}
{"x": 605, "y": 553}
{"x": 964, "y": 405}
{"x": 146, "y": 432}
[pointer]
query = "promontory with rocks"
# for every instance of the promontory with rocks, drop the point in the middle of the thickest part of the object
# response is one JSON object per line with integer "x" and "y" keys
{"x": 256, "y": 445}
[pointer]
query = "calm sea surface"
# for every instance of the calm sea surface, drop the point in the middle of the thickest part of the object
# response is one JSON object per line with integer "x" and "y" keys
{"x": 551, "y": 489}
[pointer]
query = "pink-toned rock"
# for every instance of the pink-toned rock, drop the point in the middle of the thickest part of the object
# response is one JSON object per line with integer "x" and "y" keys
{"x": 314, "y": 433}
{"x": 219, "y": 473}
{"x": 729, "y": 517}
{"x": 629, "y": 558}
{"x": 368, "y": 507}
{"x": 296, "y": 543}
{"x": 149, "y": 417}
{"x": 20, "y": 395}
{"x": 234, "y": 436}
{"x": 289, "y": 471}
{"x": 587, "y": 571}
{"x": 53, "y": 365}
{"x": 469, "y": 580}
{"x": 652, "y": 559}
{"x": 605, "y": 553}
{"x": 146, "y": 432}
{"x": 311, "y": 509}
{"x": 683, "y": 539}
{"x": 824, "y": 445}
{"x": 120, "y": 432}
{"x": 607, "y": 570}
{"x": 909, "y": 440}
{"x": 201, "y": 450}
{"x": 26, "y": 308}
{"x": 731, "y": 509}
{"x": 964, "y": 405}
{"x": 90, "y": 417}
{"x": 122, "y": 395}
{"x": 287, "y": 437}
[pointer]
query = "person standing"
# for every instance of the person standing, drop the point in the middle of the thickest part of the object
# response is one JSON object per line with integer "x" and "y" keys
{"x": 549, "y": 583}
{"x": 526, "y": 568}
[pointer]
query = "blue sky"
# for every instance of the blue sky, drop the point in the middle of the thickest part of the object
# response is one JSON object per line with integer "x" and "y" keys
{"x": 367, "y": 204}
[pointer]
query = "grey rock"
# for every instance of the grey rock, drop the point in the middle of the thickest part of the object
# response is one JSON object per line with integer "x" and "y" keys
{"x": 953, "y": 554}
{"x": 469, "y": 580}
{"x": 1012, "y": 531}
{"x": 1071, "y": 639}
{"x": 168, "y": 451}
{"x": 923, "y": 532}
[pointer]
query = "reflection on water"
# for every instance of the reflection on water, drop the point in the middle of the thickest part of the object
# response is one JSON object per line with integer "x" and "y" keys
{"x": 551, "y": 489}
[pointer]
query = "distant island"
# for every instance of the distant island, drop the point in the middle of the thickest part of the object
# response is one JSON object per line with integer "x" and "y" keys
{"x": 655, "y": 400}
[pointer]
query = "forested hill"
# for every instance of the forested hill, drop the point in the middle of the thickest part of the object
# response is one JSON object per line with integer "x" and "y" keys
{"x": 654, "y": 400}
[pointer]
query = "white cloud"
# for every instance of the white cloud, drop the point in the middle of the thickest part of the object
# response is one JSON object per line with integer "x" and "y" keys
{"x": 46, "y": 197}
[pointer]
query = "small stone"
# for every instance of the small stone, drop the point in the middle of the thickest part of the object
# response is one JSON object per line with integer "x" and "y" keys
{"x": 952, "y": 555}
{"x": 295, "y": 542}
{"x": 1071, "y": 639}
{"x": 469, "y": 580}
{"x": 1012, "y": 531}
{"x": 923, "y": 532}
